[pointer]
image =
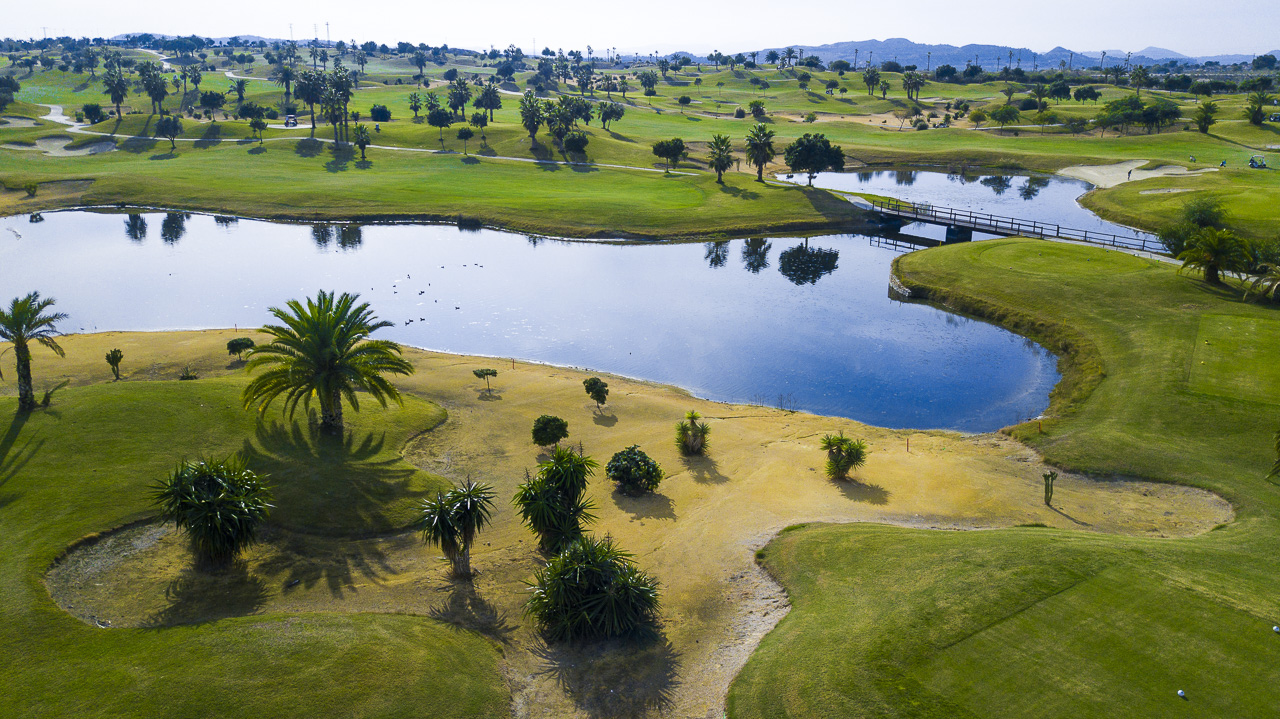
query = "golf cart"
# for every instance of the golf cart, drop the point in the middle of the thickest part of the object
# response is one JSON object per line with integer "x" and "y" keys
{"x": 290, "y": 120}
{"x": 1258, "y": 162}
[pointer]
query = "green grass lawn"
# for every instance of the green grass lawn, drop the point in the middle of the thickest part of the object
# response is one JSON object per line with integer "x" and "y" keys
{"x": 1035, "y": 622}
{"x": 86, "y": 465}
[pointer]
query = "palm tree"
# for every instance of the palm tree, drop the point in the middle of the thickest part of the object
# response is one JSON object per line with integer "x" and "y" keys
{"x": 452, "y": 519}
{"x": 284, "y": 76}
{"x": 218, "y": 504}
{"x": 1266, "y": 284}
{"x": 552, "y": 504}
{"x": 310, "y": 87}
{"x": 691, "y": 435}
{"x": 1039, "y": 92}
{"x": 720, "y": 156}
{"x": 116, "y": 85}
{"x": 23, "y": 323}
{"x": 843, "y": 454}
{"x": 760, "y": 150}
{"x": 323, "y": 350}
{"x": 1214, "y": 251}
{"x": 361, "y": 138}
{"x": 238, "y": 87}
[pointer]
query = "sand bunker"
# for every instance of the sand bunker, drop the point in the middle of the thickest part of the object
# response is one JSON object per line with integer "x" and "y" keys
{"x": 1122, "y": 172}
{"x": 11, "y": 122}
{"x": 56, "y": 146}
{"x": 1166, "y": 191}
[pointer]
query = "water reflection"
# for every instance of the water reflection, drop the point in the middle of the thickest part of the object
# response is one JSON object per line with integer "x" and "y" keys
{"x": 904, "y": 178}
{"x": 755, "y": 255}
{"x": 1032, "y": 187}
{"x": 173, "y": 227}
{"x": 717, "y": 254}
{"x": 136, "y": 228}
{"x": 225, "y": 221}
{"x": 997, "y": 183}
{"x": 821, "y": 331}
{"x": 805, "y": 266}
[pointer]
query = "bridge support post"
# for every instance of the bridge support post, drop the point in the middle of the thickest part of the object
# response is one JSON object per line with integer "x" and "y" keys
{"x": 956, "y": 233}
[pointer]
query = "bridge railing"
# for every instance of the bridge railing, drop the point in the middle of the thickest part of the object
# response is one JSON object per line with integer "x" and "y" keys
{"x": 1002, "y": 225}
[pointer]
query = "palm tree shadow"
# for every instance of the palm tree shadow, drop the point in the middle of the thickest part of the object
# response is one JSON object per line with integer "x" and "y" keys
{"x": 341, "y": 157}
{"x": 1068, "y": 516}
{"x": 11, "y": 461}
{"x": 307, "y": 561}
{"x": 465, "y": 608}
{"x": 330, "y": 485}
{"x": 860, "y": 492}
{"x": 615, "y": 678}
{"x": 308, "y": 147}
{"x": 703, "y": 469}
{"x": 198, "y": 596}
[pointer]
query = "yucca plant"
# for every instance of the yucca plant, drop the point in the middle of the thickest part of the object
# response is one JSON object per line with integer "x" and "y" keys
{"x": 843, "y": 454}
{"x": 552, "y": 502}
{"x": 691, "y": 435}
{"x": 452, "y": 519}
{"x": 219, "y": 504}
{"x": 114, "y": 358}
{"x": 592, "y": 589}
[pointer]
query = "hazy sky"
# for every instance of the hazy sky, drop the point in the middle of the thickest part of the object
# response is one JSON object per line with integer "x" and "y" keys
{"x": 1192, "y": 27}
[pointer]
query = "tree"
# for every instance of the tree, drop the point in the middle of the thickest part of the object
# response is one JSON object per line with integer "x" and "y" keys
{"x": 575, "y": 143}
{"x": 1006, "y": 115}
{"x": 485, "y": 374}
{"x": 323, "y": 350}
{"x": 597, "y": 389}
{"x": 459, "y": 95}
{"x": 238, "y": 87}
{"x": 548, "y": 430}
{"x": 691, "y": 435}
{"x": 760, "y": 150}
{"x": 843, "y": 454}
{"x": 115, "y": 85}
{"x": 871, "y": 78}
{"x": 609, "y": 112}
{"x": 284, "y": 76}
{"x": 419, "y": 61}
{"x": 218, "y": 504}
{"x": 362, "y": 138}
{"x": 670, "y": 150}
{"x": 592, "y": 589}
{"x": 1214, "y": 251}
{"x": 415, "y": 103}
{"x": 757, "y": 108}
{"x": 649, "y": 81}
{"x": 258, "y": 125}
{"x": 380, "y": 113}
{"x": 311, "y": 90}
{"x": 1256, "y": 109}
{"x": 169, "y": 127}
{"x": 239, "y": 346}
{"x": 452, "y": 520}
{"x": 114, "y": 358}
{"x": 884, "y": 89}
{"x": 479, "y": 120}
{"x": 1049, "y": 478}
{"x": 812, "y": 154}
{"x": 441, "y": 118}
{"x": 633, "y": 471}
{"x": 720, "y": 155}
{"x": 684, "y": 101}
{"x": 212, "y": 102}
{"x": 977, "y": 117}
{"x": 1140, "y": 77}
{"x": 465, "y": 133}
{"x": 531, "y": 113}
{"x": 489, "y": 99}
{"x": 1203, "y": 117}
{"x": 92, "y": 112}
{"x": 552, "y": 503}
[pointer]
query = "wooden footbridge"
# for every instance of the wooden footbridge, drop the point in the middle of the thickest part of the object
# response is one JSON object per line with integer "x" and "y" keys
{"x": 961, "y": 224}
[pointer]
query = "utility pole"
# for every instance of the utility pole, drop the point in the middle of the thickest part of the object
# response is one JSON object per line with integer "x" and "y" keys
{"x": 928, "y": 63}
{"x": 1071, "y": 61}
{"x": 291, "y": 32}
{"x": 326, "y": 33}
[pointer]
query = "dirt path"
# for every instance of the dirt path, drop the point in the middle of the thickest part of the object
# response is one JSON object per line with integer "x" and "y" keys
{"x": 697, "y": 534}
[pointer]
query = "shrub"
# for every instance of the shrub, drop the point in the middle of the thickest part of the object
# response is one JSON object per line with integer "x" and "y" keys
{"x": 922, "y": 125}
{"x": 576, "y": 142}
{"x": 843, "y": 454}
{"x": 549, "y": 430}
{"x": 691, "y": 435}
{"x": 739, "y": 113}
{"x": 811, "y": 117}
{"x": 756, "y": 107}
{"x": 188, "y": 373}
{"x": 31, "y": 188}
{"x": 218, "y": 504}
{"x": 592, "y": 589}
{"x": 272, "y": 114}
{"x": 1028, "y": 104}
{"x": 552, "y": 502}
{"x": 380, "y": 113}
{"x": 597, "y": 389}
{"x": 633, "y": 471}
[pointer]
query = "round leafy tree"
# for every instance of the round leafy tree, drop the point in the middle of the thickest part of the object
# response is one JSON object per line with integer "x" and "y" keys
{"x": 592, "y": 589}
{"x": 597, "y": 389}
{"x": 548, "y": 430}
{"x": 218, "y": 503}
{"x": 633, "y": 471}
{"x": 843, "y": 454}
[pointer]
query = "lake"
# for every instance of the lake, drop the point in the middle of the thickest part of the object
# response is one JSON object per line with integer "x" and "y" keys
{"x": 805, "y": 325}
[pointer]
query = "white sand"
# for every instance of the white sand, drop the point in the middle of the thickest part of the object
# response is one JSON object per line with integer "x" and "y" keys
{"x": 56, "y": 146}
{"x": 10, "y": 121}
{"x": 1166, "y": 191}
{"x": 1122, "y": 172}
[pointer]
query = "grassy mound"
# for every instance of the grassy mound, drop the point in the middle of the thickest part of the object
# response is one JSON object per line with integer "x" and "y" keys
{"x": 1036, "y": 622}
{"x": 85, "y": 464}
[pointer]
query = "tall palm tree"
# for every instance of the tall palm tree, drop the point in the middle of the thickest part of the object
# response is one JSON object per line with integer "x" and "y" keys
{"x": 238, "y": 87}
{"x": 452, "y": 519}
{"x": 720, "y": 155}
{"x": 310, "y": 89}
{"x": 323, "y": 350}
{"x": 23, "y": 323}
{"x": 284, "y": 76}
{"x": 552, "y": 502}
{"x": 117, "y": 86}
{"x": 1213, "y": 251}
{"x": 760, "y": 150}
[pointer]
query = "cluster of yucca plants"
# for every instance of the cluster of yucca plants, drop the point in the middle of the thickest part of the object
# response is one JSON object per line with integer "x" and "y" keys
{"x": 691, "y": 435}
{"x": 592, "y": 589}
{"x": 843, "y": 454}
{"x": 452, "y": 519}
{"x": 219, "y": 504}
{"x": 553, "y": 503}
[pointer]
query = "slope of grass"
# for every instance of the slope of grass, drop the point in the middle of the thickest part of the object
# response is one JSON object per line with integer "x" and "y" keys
{"x": 1028, "y": 622}
{"x": 86, "y": 464}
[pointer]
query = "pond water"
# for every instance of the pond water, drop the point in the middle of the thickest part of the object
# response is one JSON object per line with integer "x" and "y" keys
{"x": 1047, "y": 199}
{"x": 803, "y": 324}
